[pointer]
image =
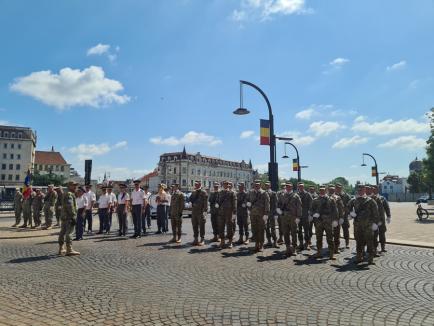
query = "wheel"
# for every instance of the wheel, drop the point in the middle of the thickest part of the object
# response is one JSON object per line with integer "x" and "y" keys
{"x": 422, "y": 214}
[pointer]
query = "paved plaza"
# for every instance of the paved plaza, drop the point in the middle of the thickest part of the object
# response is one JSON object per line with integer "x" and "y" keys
{"x": 119, "y": 281}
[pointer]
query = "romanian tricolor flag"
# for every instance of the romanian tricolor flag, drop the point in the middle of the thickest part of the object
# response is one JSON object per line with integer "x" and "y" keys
{"x": 27, "y": 189}
{"x": 374, "y": 171}
{"x": 265, "y": 132}
{"x": 295, "y": 165}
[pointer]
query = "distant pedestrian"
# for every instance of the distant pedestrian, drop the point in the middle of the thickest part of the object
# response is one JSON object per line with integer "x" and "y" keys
{"x": 104, "y": 205}
{"x": 112, "y": 207}
{"x": 49, "y": 206}
{"x": 69, "y": 219}
{"x": 137, "y": 204}
{"x": 81, "y": 206}
{"x": 18, "y": 206}
{"x": 122, "y": 206}
{"x": 177, "y": 202}
{"x": 162, "y": 200}
{"x": 146, "y": 217}
{"x": 91, "y": 199}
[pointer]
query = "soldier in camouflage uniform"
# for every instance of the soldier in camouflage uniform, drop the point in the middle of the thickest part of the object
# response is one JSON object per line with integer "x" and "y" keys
{"x": 384, "y": 211}
{"x": 289, "y": 206}
{"x": 227, "y": 204}
{"x": 306, "y": 204}
{"x": 259, "y": 204}
{"x": 243, "y": 219}
{"x": 325, "y": 216}
{"x": 49, "y": 206}
{"x": 58, "y": 205}
{"x": 27, "y": 208}
{"x": 280, "y": 193}
{"x": 213, "y": 200}
{"x": 364, "y": 210}
{"x": 177, "y": 203}
{"x": 312, "y": 191}
{"x": 270, "y": 227}
{"x": 69, "y": 220}
{"x": 234, "y": 223}
{"x": 199, "y": 201}
{"x": 341, "y": 211}
{"x": 18, "y": 206}
{"x": 346, "y": 224}
{"x": 37, "y": 204}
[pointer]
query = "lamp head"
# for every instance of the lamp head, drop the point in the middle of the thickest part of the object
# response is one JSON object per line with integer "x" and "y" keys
{"x": 363, "y": 164}
{"x": 285, "y": 156}
{"x": 241, "y": 111}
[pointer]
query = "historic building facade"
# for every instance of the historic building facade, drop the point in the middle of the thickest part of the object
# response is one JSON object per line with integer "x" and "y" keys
{"x": 47, "y": 162}
{"x": 185, "y": 169}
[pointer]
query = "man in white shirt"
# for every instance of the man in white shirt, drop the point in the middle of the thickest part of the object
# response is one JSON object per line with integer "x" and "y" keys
{"x": 138, "y": 202}
{"x": 122, "y": 205}
{"x": 81, "y": 205}
{"x": 104, "y": 204}
{"x": 112, "y": 207}
{"x": 146, "y": 217}
{"x": 91, "y": 199}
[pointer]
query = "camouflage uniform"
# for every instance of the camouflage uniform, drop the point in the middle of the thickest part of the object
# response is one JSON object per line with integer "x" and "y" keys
{"x": 37, "y": 204}
{"x": 325, "y": 207}
{"x": 69, "y": 220}
{"x": 306, "y": 205}
{"x": 58, "y": 207}
{"x": 213, "y": 199}
{"x": 337, "y": 230}
{"x": 346, "y": 225}
{"x": 18, "y": 207}
{"x": 227, "y": 209}
{"x": 280, "y": 193}
{"x": 49, "y": 207}
{"x": 260, "y": 207}
{"x": 270, "y": 228}
{"x": 383, "y": 210}
{"x": 176, "y": 208}
{"x": 243, "y": 219}
{"x": 199, "y": 200}
{"x": 366, "y": 214}
{"x": 27, "y": 211}
{"x": 313, "y": 195}
{"x": 291, "y": 206}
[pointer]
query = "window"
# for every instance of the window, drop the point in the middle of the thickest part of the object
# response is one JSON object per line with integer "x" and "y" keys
{"x": 18, "y": 156}
{"x": 10, "y": 177}
{"x": 198, "y": 171}
{"x": 12, "y": 145}
{"x": 192, "y": 183}
{"x": 5, "y": 145}
{"x": 184, "y": 170}
{"x": 12, "y": 156}
{"x": 11, "y": 166}
{"x": 18, "y": 167}
{"x": 192, "y": 171}
{"x": 13, "y": 135}
{"x": 20, "y": 135}
{"x": 184, "y": 182}
{"x": 62, "y": 168}
{"x": 4, "y": 156}
{"x": 3, "y": 177}
{"x": 17, "y": 177}
{"x": 19, "y": 146}
{"x": 3, "y": 166}
{"x": 174, "y": 170}
{"x": 6, "y": 134}
{"x": 57, "y": 168}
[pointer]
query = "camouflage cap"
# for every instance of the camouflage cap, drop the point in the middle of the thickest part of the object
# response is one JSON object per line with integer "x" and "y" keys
{"x": 360, "y": 186}
{"x": 81, "y": 189}
{"x": 322, "y": 187}
{"x": 241, "y": 184}
{"x": 289, "y": 184}
{"x": 216, "y": 184}
{"x": 72, "y": 183}
{"x": 225, "y": 182}
{"x": 197, "y": 182}
{"x": 300, "y": 183}
{"x": 267, "y": 183}
{"x": 88, "y": 186}
{"x": 339, "y": 185}
{"x": 257, "y": 182}
{"x": 50, "y": 185}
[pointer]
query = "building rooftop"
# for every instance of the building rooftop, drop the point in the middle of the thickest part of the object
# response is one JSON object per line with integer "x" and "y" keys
{"x": 49, "y": 157}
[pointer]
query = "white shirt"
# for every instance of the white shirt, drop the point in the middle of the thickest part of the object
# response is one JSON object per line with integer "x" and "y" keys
{"x": 137, "y": 197}
{"x": 168, "y": 198}
{"x": 91, "y": 197}
{"x": 113, "y": 197}
{"x": 104, "y": 201}
{"x": 81, "y": 202}
{"x": 123, "y": 200}
{"x": 147, "y": 195}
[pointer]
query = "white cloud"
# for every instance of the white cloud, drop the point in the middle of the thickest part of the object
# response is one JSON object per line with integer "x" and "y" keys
{"x": 71, "y": 87}
{"x": 99, "y": 49}
{"x": 389, "y": 126}
{"x": 266, "y": 9}
{"x": 86, "y": 151}
{"x": 339, "y": 62}
{"x": 347, "y": 142}
{"x": 261, "y": 167}
{"x": 191, "y": 138}
{"x": 247, "y": 134}
{"x": 297, "y": 138}
{"x": 397, "y": 66}
{"x": 324, "y": 128}
{"x": 405, "y": 142}
{"x": 305, "y": 114}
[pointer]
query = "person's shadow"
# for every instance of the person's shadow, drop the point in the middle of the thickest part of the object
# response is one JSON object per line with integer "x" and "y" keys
{"x": 32, "y": 259}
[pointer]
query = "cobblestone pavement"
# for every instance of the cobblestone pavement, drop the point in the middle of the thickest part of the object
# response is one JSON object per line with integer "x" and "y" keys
{"x": 120, "y": 281}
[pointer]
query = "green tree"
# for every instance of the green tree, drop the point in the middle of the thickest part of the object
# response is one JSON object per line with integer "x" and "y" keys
{"x": 428, "y": 162}
{"x": 345, "y": 184}
{"x": 46, "y": 179}
{"x": 416, "y": 182}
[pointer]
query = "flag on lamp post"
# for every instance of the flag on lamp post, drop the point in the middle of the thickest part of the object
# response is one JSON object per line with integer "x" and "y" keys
{"x": 295, "y": 165}
{"x": 264, "y": 132}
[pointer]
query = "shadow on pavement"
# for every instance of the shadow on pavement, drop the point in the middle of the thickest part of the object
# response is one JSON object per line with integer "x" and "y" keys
{"x": 174, "y": 246}
{"x": 204, "y": 250}
{"x": 424, "y": 221}
{"x": 351, "y": 266}
{"x": 276, "y": 255}
{"x": 310, "y": 260}
{"x": 110, "y": 239}
{"x": 32, "y": 259}
{"x": 48, "y": 242}
{"x": 241, "y": 252}
{"x": 153, "y": 244}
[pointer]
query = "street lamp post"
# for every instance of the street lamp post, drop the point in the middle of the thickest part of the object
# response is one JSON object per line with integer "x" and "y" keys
{"x": 298, "y": 160}
{"x": 376, "y": 166}
{"x": 272, "y": 165}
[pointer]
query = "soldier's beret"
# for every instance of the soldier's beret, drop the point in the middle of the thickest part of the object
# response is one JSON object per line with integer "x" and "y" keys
{"x": 136, "y": 181}
{"x": 331, "y": 186}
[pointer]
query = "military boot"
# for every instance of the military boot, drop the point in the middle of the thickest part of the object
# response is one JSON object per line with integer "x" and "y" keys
{"x": 201, "y": 242}
{"x": 70, "y": 251}
{"x": 247, "y": 241}
{"x": 269, "y": 244}
{"x": 240, "y": 240}
{"x": 62, "y": 250}
{"x": 222, "y": 243}
{"x": 230, "y": 246}
{"x": 13, "y": 226}
{"x": 383, "y": 247}
{"x": 347, "y": 243}
{"x": 359, "y": 258}
{"x": 371, "y": 260}
{"x": 288, "y": 251}
{"x": 331, "y": 255}
{"x": 195, "y": 242}
{"x": 173, "y": 240}
{"x": 280, "y": 241}
{"x": 318, "y": 254}
{"x": 179, "y": 239}
{"x": 215, "y": 239}
{"x": 275, "y": 245}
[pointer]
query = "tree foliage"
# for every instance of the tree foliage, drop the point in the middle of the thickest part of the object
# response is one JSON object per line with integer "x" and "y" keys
{"x": 46, "y": 179}
{"x": 428, "y": 162}
{"x": 416, "y": 182}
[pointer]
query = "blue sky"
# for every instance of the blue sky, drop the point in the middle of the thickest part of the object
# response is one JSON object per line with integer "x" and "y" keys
{"x": 123, "y": 81}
